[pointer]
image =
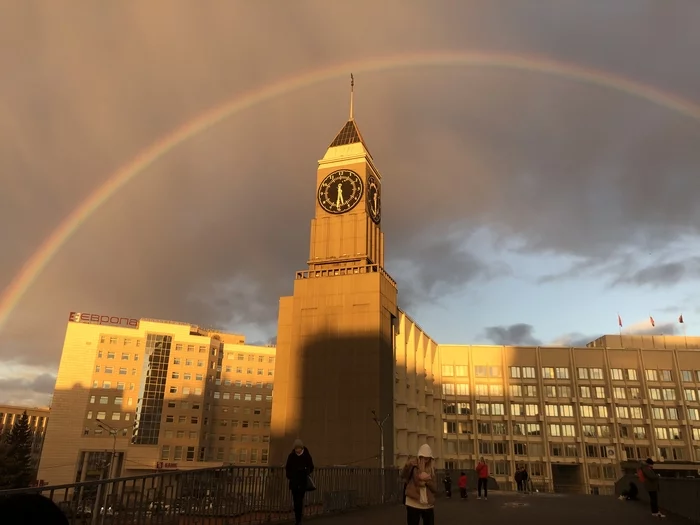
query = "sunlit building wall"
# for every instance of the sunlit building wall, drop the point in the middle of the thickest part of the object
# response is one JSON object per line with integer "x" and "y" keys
{"x": 167, "y": 395}
{"x": 570, "y": 414}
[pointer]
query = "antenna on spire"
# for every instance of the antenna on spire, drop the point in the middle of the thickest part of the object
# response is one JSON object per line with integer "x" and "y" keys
{"x": 352, "y": 95}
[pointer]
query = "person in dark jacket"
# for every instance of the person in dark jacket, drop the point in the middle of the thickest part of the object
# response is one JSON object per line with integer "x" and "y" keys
{"x": 651, "y": 483}
{"x": 298, "y": 468}
{"x": 448, "y": 485}
{"x": 21, "y": 509}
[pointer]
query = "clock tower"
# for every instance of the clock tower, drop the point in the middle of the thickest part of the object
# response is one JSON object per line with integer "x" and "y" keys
{"x": 335, "y": 352}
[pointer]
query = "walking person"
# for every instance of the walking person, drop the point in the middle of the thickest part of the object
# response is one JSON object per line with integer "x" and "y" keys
{"x": 419, "y": 475}
{"x": 299, "y": 467}
{"x": 448, "y": 485}
{"x": 462, "y": 484}
{"x": 527, "y": 484}
{"x": 519, "y": 478}
{"x": 650, "y": 478}
{"x": 482, "y": 471}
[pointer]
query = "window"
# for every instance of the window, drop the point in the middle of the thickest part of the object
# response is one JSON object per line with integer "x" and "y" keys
{"x": 636, "y": 413}
{"x": 461, "y": 370}
{"x": 550, "y": 391}
{"x": 520, "y": 449}
{"x": 690, "y": 394}
{"x": 530, "y": 391}
{"x": 482, "y": 409}
{"x": 616, "y": 374}
{"x": 693, "y": 414}
{"x": 632, "y": 374}
{"x": 655, "y": 393}
{"x": 669, "y": 394}
{"x": 582, "y": 373}
{"x": 564, "y": 390}
{"x": 101, "y": 415}
{"x": 547, "y": 373}
{"x": 448, "y": 370}
{"x": 599, "y": 392}
{"x": 529, "y": 372}
{"x": 635, "y": 393}
{"x": 448, "y": 389}
{"x": 619, "y": 393}
{"x": 561, "y": 373}
{"x": 661, "y": 433}
{"x": 666, "y": 375}
{"x": 585, "y": 391}
{"x": 551, "y": 410}
{"x": 516, "y": 409}
{"x": 449, "y": 427}
{"x": 125, "y": 356}
{"x": 687, "y": 376}
{"x": 122, "y": 371}
{"x": 481, "y": 390}
{"x": 109, "y": 369}
{"x": 515, "y": 372}
{"x": 602, "y": 411}
{"x": 532, "y": 410}
{"x": 586, "y": 411}
{"x": 517, "y": 391}
{"x": 588, "y": 430}
{"x": 110, "y": 355}
{"x": 672, "y": 413}
{"x": 651, "y": 375}
{"x": 555, "y": 430}
{"x": 640, "y": 433}
{"x": 657, "y": 413}
{"x": 533, "y": 429}
{"x": 116, "y": 416}
{"x": 596, "y": 373}
{"x": 481, "y": 371}
{"x": 496, "y": 390}
{"x": 497, "y": 409}
{"x": 568, "y": 431}
{"x": 622, "y": 412}
{"x": 566, "y": 411}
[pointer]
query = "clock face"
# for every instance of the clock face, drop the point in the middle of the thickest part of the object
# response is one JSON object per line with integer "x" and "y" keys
{"x": 340, "y": 191}
{"x": 374, "y": 201}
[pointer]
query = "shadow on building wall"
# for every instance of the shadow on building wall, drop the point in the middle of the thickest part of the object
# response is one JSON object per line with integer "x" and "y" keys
{"x": 339, "y": 382}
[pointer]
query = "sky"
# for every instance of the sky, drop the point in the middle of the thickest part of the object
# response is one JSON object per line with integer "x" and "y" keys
{"x": 518, "y": 207}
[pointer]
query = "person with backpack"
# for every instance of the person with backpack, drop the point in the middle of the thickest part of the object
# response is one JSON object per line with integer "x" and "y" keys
{"x": 462, "y": 484}
{"x": 420, "y": 487}
{"x": 650, "y": 479}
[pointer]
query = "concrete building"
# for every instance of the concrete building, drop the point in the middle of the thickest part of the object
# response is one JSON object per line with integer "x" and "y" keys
{"x": 140, "y": 395}
{"x": 571, "y": 414}
{"x": 38, "y": 417}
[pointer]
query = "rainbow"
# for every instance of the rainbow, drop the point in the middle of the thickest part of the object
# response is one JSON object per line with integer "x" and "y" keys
{"x": 532, "y": 64}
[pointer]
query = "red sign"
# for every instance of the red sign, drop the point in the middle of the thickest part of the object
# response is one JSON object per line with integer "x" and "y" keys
{"x": 77, "y": 317}
{"x": 165, "y": 465}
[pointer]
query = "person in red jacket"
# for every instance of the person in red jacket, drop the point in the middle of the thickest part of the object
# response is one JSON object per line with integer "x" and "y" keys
{"x": 462, "y": 484}
{"x": 482, "y": 471}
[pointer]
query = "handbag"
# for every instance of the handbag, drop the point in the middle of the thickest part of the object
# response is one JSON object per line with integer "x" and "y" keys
{"x": 310, "y": 485}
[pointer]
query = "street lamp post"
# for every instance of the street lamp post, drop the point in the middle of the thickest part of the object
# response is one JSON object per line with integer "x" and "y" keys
{"x": 106, "y": 474}
{"x": 380, "y": 425}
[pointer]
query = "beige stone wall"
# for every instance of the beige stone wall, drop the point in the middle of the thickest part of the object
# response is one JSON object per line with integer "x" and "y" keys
{"x": 417, "y": 406}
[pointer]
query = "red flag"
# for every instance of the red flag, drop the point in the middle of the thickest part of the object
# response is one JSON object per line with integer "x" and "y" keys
{"x": 680, "y": 319}
{"x": 619, "y": 320}
{"x": 651, "y": 320}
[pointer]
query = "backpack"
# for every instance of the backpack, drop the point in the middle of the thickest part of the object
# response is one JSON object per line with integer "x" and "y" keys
{"x": 640, "y": 475}
{"x": 405, "y": 485}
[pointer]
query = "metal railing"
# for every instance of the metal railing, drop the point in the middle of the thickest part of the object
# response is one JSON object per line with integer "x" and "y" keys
{"x": 240, "y": 495}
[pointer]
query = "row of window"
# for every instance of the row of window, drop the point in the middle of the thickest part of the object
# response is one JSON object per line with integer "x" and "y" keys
{"x": 113, "y": 340}
{"x": 238, "y": 455}
{"x": 529, "y": 372}
{"x": 125, "y": 356}
{"x": 565, "y": 391}
{"x": 585, "y": 411}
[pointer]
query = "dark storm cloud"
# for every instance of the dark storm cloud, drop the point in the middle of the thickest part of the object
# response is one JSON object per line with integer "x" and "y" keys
{"x": 213, "y": 232}
{"x": 41, "y": 384}
{"x": 520, "y": 334}
{"x": 664, "y": 274}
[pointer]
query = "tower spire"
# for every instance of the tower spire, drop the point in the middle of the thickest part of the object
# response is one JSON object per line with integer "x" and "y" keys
{"x": 352, "y": 96}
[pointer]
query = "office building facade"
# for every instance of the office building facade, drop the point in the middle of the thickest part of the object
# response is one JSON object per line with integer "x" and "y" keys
{"x": 38, "y": 418}
{"x": 139, "y": 395}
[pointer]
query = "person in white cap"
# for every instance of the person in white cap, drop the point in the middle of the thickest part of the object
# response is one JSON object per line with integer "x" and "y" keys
{"x": 299, "y": 467}
{"x": 420, "y": 488}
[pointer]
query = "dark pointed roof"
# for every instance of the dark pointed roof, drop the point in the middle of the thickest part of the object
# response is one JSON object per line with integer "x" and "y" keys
{"x": 349, "y": 134}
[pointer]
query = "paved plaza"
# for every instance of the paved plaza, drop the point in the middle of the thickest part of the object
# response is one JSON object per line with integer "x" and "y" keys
{"x": 541, "y": 509}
